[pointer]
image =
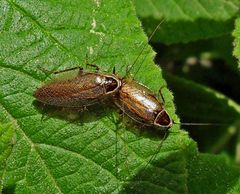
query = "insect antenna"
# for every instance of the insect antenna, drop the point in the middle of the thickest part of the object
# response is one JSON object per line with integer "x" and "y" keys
{"x": 69, "y": 69}
{"x": 128, "y": 70}
{"x": 166, "y": 132}
{"x": 143, "y": 48}
{"x": 143, "y": 171}
{"x": 200, "y": 124}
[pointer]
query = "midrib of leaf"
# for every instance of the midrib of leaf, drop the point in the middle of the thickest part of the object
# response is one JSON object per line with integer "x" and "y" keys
{"x": 43, "y": 30}
{"x": 21, "y": 72}
{"x": 35, "y": 145}
{"x": 32, "y": 146}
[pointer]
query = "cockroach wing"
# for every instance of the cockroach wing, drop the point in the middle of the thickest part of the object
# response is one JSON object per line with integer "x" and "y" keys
{"x": 84, "y": 90}
{"x": 138, "y": 102}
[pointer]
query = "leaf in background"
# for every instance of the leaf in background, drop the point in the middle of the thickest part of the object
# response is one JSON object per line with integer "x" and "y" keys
{"x": 198, "y": 103}
{"x": 97, "y": 153}
{"x": 213, "y": 175}
{"x": 6, "y": 136}
{"x": 215, "y": 48}
{"x": 236, "y": 35}
{"x": 188, "y": 21}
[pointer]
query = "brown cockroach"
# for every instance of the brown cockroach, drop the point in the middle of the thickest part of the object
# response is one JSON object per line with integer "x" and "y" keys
{"x": 83, "y": 90}
{"x": 140, "y": 104}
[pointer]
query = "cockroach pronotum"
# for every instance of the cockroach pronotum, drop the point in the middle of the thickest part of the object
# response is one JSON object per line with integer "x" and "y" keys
{"x": 84, "y": 90}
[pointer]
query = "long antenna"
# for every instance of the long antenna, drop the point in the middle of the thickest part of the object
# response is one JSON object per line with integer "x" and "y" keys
{"x": 200, "y": 124}
{"x": 150, "y": 38}
{"x": 159, "y": 147}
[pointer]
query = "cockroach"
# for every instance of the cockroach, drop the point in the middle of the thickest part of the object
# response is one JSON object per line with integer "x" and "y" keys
{"x": 140, "y": 104}
{"x": 83, "y": 90}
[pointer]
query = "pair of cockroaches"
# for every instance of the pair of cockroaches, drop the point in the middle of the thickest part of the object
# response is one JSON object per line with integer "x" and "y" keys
{"x": 86, "y": 89}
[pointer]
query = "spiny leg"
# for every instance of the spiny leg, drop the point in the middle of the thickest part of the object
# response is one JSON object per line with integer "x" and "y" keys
{"x": 114, "y": 70}
{"x": 152, "y": 158}
{"x": 91, "y": 65}
{"x": 70, "y": 69}
{"x": 73, "y": 112}
{"x": 44, "y": 115}
{"x": 94, "y": 65}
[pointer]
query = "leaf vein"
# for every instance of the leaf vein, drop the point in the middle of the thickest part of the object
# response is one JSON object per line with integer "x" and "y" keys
{"x": 79, "y": 155}
{"x": 203, "y": 8}
{"x": 18, "y": 126}
{"x": 43, "y": 30}
{"x": 180, "y": 9}
{"x": 25, "y": 73}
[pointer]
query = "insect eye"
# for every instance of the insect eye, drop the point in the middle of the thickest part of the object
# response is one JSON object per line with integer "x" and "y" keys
{"x": 110, "y": 84}
{"x": 163, "y": 119}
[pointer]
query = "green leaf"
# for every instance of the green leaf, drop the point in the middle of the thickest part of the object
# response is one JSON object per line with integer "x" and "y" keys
{"x": 6, "y": 137}
{"x": 194, "y": 20}
{"x": 97, "y": 153}
{"x": 199, "y": 104}
{"x": 212, "y": 174}
{"x": 236, "y": 35}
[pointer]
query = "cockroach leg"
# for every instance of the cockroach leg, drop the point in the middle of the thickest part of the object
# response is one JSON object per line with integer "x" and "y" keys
{"x": 114, "y": 70}
{"x": 44, "y": 70}
{"x": 122, "y": 117}
{"x": 84, "y": 108}
{"x": 95, "y": 66}
{"x": 70, "y": 69}
{"x": 121, "y": 114}
{"x": 80, "y": 72}
{"x": 92, "y": 65}
{"x": 42, "y": 117}
{"x": 74, "y": 109}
